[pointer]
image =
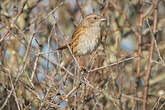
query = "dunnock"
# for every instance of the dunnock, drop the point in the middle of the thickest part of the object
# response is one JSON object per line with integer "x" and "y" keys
{"x": 87, "y": 35}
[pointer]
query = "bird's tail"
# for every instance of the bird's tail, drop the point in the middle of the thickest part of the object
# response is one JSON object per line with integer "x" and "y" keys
{"x": 61, "y": 48}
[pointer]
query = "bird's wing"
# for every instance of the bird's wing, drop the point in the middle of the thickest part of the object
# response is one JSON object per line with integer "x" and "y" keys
{"x": 80, "y": 30}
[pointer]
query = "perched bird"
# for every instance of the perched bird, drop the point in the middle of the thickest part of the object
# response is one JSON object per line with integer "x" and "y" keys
{"x": 87, "y": 35}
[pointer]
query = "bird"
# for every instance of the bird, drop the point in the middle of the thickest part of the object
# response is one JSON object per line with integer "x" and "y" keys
{"x": 86, "y": 36}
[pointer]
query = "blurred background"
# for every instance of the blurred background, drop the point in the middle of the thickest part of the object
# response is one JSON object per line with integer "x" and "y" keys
{"x": 33, "y": 75}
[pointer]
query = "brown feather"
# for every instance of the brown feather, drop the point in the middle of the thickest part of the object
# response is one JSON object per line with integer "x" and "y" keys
{"x": 75, "y": 38}
{"x": 61, "y": 48}
{"x": 79, "y": 30}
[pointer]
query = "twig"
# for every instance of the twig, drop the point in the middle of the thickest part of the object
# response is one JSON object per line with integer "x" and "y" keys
{"x": 138, "y": 69}
{"x": 49, "y": 38}
{"x": 50, "y": 13}
{"x": 56, "y": 64}
{"x": 66, "y": 96}
{"x": 4, "y": 104}
{"x": 34, "y": 69}
{"x": 20, "y": 11}
{"x": 67, "y": 71}
{"x": 125, "y": 17}
{"x": 42, "y": 53}
{"x": 156, "y": 104}
{"x": 81, "y": 11}
{"x": 132, "y": 97}
{"x": 160, "y": 108}
{"x": 150, "y": 56}
{"x": 24, "y": 59}
{"x": 15, "y": 96}
{"x": 113, "y": 64}
{"x": 3, "y": 37}
{"x": 73, "y": 56}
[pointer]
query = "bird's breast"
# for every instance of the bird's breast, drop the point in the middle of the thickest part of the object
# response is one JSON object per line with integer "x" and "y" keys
{"x": 88, "y": 42}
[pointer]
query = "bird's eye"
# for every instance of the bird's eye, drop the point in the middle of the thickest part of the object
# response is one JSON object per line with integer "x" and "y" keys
{"x": 95, "y": 18}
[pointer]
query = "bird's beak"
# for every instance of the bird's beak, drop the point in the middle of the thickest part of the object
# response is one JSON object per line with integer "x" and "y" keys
{"x": 103, "y": 19}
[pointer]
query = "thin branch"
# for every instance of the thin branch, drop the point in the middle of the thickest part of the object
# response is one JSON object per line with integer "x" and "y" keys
{"x": 20, "y": 11}
{"x": 139, "y": 53}
{"x": 24, "y": 59}
{"x": 4, "y": 36}
{"x": 113, "y": 64}
{"x": 56, "y": 64}
{"x": 81, "y": 10}
{"x": 51, "y": 12}
{"x": 148, "y": 72}
{"x": 34, "y": 69}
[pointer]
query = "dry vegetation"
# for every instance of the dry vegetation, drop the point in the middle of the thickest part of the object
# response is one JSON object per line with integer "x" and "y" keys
{"x": 33, "y": 75}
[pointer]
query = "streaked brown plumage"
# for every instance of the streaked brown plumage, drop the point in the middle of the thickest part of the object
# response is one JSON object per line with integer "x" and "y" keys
{"x": 86, "y": 36}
